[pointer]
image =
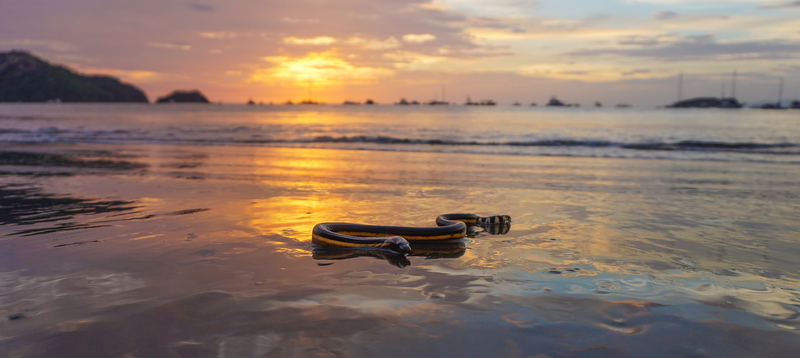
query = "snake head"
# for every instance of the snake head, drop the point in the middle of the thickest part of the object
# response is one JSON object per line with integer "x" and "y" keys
{"x": 399, "y": 244}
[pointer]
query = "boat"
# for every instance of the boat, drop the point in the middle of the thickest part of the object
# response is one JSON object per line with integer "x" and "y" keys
{"x": 707, "y": 102}
{"x": 730, "y": 102}
{"x": 369, "y": 101}
{"x": 554, "y": 102}
{"x": 250, "y": 102}
{"x": 776, "y": 105}
{"x": 436, "y": 102}
{"x": 402, "y": 102}
{"x": 795, "y": 104}
{"x": 483, "y": 102}
{"x": 771, "y": 106}
{"x": 515, "y": 104}
{"x": 351, "y": 103}
{"x": 598, "y": 104}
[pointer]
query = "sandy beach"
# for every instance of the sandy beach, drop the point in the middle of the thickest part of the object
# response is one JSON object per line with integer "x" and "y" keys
{"x": 170, "y": 250}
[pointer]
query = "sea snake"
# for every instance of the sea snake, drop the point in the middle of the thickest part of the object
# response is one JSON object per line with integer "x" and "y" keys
{"x": 398, "y": 238}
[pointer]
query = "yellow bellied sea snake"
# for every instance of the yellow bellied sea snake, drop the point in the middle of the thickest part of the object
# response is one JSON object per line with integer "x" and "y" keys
{"x": 400, "y": 238}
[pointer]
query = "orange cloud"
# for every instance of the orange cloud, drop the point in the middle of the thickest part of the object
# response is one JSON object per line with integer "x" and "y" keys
{"x": 319, "y": 40}
{"x": 321, "y": 69}
{"x": 418, "y": 38}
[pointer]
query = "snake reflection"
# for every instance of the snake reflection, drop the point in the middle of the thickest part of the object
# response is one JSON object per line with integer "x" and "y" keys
{"x": 339, "y": 241}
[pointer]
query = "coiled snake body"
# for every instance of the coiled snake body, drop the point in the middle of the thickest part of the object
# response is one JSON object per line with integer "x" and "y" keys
{"x": 399, "y": 238}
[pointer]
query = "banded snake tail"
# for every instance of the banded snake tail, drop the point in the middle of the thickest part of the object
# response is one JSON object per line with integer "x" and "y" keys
{"x": 400, "y": 238}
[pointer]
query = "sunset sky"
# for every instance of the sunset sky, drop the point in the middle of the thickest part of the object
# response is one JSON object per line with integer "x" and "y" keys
{"x": 613, "y": 51}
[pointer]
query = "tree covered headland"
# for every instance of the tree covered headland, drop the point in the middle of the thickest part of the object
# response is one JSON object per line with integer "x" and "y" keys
{"x": 26, "y": 78}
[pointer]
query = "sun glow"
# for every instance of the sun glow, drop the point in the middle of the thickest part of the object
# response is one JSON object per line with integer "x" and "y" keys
{"x": 319, "y": 69}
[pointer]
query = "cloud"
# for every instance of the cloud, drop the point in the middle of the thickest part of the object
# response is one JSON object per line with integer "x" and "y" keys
{"x": 138, "y": 76}
{"x": 319, "y": 40}
{"x": 694, "y": 2}
{"x": 782, "y": 5}
{"x": 55, "y": 46}
{"x": 294, "y": 21}
{"x": 418, "y": 38}
{"x": 432, "y": 7}
{"x": 665, "y": 15}
{"x": 200, "y": 7}
{"x": 220, "y": 35}
{"x": 170, "y": 46}
{"x": 635, "y": 72}
{"x": 491, "y": 23}
{"x": 704, "y": 47}
{"x": 389, "y": 43}
{"x": 647, "y": 40}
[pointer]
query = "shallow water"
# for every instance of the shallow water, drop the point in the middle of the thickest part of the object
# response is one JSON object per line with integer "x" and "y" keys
{"x": 133, "y": 249}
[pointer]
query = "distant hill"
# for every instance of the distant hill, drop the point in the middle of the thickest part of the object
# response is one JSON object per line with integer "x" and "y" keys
{"x": 26, "y": 78}
{"x": 183, "y": 97}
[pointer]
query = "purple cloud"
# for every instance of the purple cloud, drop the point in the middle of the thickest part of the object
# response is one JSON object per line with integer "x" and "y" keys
{"x": 703, "y": 47}
{"x": 665, "y": 15}
{"x": 200, "y": 7}
{"x": 785, "y": 5}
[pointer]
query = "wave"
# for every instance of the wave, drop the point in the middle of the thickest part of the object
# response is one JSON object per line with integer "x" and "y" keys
{"x": 246, "y": 137}
{"x": 685, "y": 145}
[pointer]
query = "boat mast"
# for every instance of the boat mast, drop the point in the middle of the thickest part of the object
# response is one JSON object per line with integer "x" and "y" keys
{"x": 733, "y": 90}
{"x": 680, "y": 86}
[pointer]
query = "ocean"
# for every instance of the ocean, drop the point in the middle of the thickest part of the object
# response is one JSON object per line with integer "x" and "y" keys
{"x": 686, "y": 134}
{"x": 185, "y": 231}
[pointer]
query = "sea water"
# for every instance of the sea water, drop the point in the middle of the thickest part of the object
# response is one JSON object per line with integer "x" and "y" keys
{"x": 682, "y": 134}
{"x": 184, "y": 230}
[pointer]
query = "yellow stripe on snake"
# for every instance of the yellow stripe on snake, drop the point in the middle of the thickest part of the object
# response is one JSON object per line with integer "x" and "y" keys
{"x": 451, "y": 227}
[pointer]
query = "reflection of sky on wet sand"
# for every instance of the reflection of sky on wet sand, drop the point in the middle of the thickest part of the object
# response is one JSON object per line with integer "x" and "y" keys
{"x": 604, "y": 257}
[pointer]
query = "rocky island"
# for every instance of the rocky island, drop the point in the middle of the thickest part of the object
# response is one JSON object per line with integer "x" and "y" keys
{"x": 183, "y": 97}
{"x": 27, "y": 78}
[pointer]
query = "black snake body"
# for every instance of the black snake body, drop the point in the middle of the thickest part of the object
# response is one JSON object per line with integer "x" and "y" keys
{"x": 399, "y": 238}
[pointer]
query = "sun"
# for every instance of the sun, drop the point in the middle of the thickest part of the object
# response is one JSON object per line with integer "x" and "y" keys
{"x": 318, "y": 69}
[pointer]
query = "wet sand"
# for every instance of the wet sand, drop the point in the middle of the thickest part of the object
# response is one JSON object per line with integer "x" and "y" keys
{"x": 190, "y": 251}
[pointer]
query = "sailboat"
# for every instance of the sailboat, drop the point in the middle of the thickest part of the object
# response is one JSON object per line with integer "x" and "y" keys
{"x": 776, "y": 105}
{"x": 730, "y": 102}
{"x": 442, "y": 102}
{"x": 706, "y": 102}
